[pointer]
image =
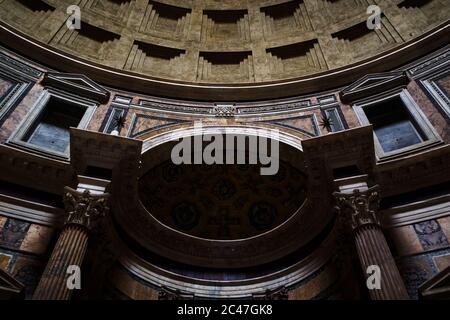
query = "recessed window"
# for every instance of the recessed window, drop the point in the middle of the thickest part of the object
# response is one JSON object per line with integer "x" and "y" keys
{"x": 51, "y": 130}
{"x": 335, "y": 122}
{"x": 393, "y": 125}
{"x": 47, "y": 127}
{"x": 398, "y": 123}
{"x": 111, "y": 125}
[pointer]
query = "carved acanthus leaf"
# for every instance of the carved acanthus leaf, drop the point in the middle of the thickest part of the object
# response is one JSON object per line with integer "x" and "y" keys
{"x": 84, "y": 208}
{"x": 362, "y": 206}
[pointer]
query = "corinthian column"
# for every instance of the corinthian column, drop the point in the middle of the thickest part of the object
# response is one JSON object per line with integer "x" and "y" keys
{"x": 360, "y": 207}
{"x": 84, "y": 209}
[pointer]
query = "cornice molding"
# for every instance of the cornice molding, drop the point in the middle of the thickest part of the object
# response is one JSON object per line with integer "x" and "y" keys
{"x": 77, "y": 84}
{"x": 25, "y": 168}
{"x": 259, "y": 287}
{"x": 416, "y": 212}
{"x": 30, "y": 211}
{"x": 20, "y": 69}
{"x": 373, "y": 84}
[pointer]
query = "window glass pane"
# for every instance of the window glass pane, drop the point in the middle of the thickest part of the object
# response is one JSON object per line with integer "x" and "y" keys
{"x": 51, "y": 131}
{"x": 50, "y": 136}
{"x": 393, "y": 125}
{"x": 397, "y": 135}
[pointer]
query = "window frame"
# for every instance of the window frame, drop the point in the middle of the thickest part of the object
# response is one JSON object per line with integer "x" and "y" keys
{"x": 335, "y": 107}
{"x": 14, "y": 95}
{"x": 414, "y": 111}
{"x": 438, "y": 96}
{"x": 36, "y": 113}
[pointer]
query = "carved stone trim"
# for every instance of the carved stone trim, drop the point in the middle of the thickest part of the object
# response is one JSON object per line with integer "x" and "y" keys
{"x": 293, "y": 276}
{"x": 168, "y": 294}
{"x": 224, "y": 110}
{"x": 276, "y": 294}
{"x": 77, "y": 84}
{"x": 177, "y": 108}
{"x": 18, "y": 68}
{"x": 438, "y": 94}
{"x": 372, "y": 84}
{"x": 430, "y": 64}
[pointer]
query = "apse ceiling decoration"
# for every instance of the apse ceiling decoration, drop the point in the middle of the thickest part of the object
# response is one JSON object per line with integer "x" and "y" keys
{"x": 222, "y": 202}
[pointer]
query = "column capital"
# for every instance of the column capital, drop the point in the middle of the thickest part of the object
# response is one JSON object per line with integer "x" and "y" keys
{"x": 84, "y": 208}
{"x": 362, "y": 206}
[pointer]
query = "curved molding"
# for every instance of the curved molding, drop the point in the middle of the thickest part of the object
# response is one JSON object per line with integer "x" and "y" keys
{"x": 151, "y": 234}
{"x": 260, "y": 130}
{"x": 148, "y": 232}
{"x": 387, "y": 60}
{"x": 202, "y": 288}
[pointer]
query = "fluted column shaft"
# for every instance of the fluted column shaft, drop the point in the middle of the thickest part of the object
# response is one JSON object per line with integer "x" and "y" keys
{"x": 69, "y": 250}
{"x": 373, "y": 249}
{"x": 360, "y": 208}
{"x": 84, "y": 211}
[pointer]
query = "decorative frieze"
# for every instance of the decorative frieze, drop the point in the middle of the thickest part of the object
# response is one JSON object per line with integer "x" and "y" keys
{"x": 19, "y": 68}
{"x": 275, "y": 107}
{"x": 224, "y": 110}
{"x": 429, "y": 65}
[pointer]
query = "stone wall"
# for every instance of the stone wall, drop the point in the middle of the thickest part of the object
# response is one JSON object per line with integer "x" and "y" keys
{"x": 422, "y": 250}
{"x": 24, "y": 247}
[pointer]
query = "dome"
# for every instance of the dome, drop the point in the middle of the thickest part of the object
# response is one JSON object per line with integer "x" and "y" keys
{"x": 209, "y": 42}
